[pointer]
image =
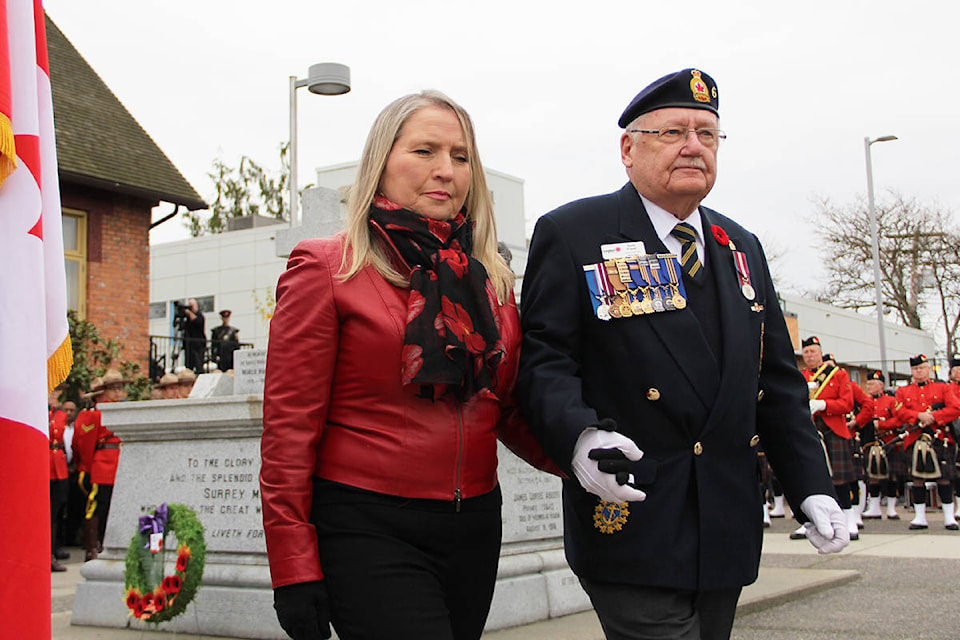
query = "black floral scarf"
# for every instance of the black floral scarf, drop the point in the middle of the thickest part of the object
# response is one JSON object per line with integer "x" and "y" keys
{"x": 452, "y": 342}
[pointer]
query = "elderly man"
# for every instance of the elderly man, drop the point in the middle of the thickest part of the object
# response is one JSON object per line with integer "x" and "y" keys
{"x": 655, "y": 359}
{"x": 927, "y": 409}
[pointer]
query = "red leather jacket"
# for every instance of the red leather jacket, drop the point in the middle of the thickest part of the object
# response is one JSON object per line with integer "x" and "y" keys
{"x": 334, "y": 407}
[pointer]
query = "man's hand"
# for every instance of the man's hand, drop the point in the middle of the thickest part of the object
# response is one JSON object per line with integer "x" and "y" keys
{"x": 827, "y": 529}
{"x": 817, "y": 405}
{"x": 303, "y": 610}
{"x": 926, "y": 418}
{"x": 588, "y": 473}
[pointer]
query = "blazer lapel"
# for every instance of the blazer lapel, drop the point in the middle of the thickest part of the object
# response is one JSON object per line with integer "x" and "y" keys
{"x": 735, "y": 314}
{"x": 679, "y": 331}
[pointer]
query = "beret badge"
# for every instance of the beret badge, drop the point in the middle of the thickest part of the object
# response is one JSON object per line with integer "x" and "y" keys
{"x": 698, "y": 87}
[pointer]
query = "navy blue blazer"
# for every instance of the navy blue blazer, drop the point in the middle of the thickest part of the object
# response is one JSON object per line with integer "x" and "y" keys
{"x": 696, "y": 419}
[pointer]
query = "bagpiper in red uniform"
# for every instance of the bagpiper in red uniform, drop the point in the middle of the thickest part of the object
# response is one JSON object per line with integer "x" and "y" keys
{"x": 927, "y": 411}
{"x": 885, "y": 460}
{"x": 857, "y": 419}
{"x": 831, "y": 399}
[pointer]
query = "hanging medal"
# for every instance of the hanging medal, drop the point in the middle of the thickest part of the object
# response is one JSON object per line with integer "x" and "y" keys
{"x": 596, "y": 284}
{"x": 743, "y": 273}
{"x": 674, "y": 281}
{"x": 633, "y": 288}
{"x": 654, "y": 265}
{"x": 739, "y": 260}
{"x": 638, "y": 271}
{"x": 613, "y": 274}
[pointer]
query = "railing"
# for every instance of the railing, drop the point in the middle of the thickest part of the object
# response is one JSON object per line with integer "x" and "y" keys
{"x": 172, "y": 354}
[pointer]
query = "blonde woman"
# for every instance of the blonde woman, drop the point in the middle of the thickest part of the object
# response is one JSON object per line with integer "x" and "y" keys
{"x": 390, "y": 371}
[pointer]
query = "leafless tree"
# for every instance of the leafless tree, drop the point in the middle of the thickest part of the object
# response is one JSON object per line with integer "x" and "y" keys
{"x": 919, "y": 261}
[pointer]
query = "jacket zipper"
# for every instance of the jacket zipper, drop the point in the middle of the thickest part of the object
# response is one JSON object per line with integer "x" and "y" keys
{"x": 457, "y": 495}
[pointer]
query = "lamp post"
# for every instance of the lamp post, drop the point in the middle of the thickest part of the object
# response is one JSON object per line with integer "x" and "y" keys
{"x": 327, "y": 79}
{"x": 875, "y": 245}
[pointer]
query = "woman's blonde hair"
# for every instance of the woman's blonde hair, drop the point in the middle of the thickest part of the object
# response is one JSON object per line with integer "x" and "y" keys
{"x": 361, "y": 250}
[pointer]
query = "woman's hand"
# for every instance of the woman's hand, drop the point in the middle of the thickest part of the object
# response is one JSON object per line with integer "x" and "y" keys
{"x": 303, "y": 610}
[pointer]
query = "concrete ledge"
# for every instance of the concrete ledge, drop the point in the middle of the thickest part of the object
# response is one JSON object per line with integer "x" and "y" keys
{"x": 775, "y": 586}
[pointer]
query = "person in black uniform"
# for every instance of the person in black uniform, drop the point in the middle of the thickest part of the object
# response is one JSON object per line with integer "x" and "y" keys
{"x": 224, "y": 341}
{"x": 651, "y": 379}
{"x": 194, "y": 337}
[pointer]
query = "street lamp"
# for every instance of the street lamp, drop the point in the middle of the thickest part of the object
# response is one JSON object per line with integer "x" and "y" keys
{"x": 326, "y": 79}
{"x": 875, "y": 245}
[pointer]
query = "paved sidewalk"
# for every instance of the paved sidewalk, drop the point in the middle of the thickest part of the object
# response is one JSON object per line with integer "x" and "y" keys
{"x": 791, "y": 572}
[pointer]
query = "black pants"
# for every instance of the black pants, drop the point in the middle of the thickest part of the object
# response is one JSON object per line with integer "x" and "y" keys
{"x": 76, "y": 505}
{"x": 193, "y": 353}
{"x": 634, "y": 612}
{"x": 406, "y": 569}
{"x": 59, "y": 490}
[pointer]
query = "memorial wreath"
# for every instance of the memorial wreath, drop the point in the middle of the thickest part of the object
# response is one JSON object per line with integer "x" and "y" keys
{"x": 152, "y": 596}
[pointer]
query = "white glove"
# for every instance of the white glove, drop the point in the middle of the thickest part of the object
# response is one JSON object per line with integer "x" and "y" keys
{"x": 598, "y": 482}
{"x": 817, "y": 405}
{"x": 827, "y": 529}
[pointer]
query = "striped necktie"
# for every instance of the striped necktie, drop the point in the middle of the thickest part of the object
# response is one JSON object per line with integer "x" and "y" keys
{"x": 689, "y": 259}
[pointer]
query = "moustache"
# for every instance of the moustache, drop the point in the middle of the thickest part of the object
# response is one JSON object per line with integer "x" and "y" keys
{"x": 691, "y": 163}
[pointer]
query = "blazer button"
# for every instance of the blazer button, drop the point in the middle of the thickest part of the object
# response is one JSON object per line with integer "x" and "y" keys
{"x": 760, "y": 395}
{"x": 754, "y": 441}
{"x": 653, "y": 394}
{"x": 697, "y": 449}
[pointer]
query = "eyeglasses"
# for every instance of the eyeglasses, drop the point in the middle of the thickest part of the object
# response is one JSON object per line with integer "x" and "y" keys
{"x": 673, "y": 135}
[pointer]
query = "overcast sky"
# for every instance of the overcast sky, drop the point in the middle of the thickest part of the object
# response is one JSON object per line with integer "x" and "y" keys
{"x": 801, "y": 85}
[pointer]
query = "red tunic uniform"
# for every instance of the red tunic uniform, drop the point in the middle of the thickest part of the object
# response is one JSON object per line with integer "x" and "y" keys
{"x": 838, "y": 395}
{"x": 106, "y": 456}
{"x": 866, "y": 404}
{"x": 58, "y": 456}
{"x": 885, "y": 418}
{"x": 85, "y": 438}
{"x": 915, "y": 399}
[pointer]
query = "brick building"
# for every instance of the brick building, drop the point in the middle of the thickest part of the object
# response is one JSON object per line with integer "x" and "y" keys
{"x": 112, "y": 174}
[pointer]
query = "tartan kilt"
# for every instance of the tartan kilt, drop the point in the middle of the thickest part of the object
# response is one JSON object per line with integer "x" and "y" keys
{"x": 898, "y": 462}
{"x": 841, "y": 457}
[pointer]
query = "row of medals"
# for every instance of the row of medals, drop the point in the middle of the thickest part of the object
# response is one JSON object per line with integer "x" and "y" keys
{"x": 638, "y": 299}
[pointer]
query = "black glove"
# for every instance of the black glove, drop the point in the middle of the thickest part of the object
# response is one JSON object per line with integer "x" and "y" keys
{"x": 613, "y": 461}
{"x": 303, "y": 610}
{"x": 644, "y": 470}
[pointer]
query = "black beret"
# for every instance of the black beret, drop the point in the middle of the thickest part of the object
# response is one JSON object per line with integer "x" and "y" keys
{"x": 918, "y": 359}
{"x": 954, "y": 362}
{"x": 690, "y": 88}
{"x": 876, "y": 375}
{"x": 811, "y": 341}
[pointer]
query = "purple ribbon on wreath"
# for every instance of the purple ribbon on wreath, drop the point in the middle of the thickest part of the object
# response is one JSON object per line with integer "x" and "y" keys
{"x": 153, "y": 524}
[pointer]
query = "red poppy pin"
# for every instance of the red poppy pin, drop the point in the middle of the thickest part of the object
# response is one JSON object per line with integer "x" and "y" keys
{"x": 720, "y": 235}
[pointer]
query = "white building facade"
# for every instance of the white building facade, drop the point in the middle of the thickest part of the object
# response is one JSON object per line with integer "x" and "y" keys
{"x": 238, "y": 270}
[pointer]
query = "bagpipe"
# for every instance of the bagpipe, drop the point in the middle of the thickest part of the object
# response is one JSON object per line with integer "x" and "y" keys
{"x": 925, "y": 461}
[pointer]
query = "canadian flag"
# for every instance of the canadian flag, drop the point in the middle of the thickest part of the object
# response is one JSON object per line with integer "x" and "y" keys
{"x": 35, "y": 352}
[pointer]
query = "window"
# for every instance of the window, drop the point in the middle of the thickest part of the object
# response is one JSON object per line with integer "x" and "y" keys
{"x": 75, "y": 259}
